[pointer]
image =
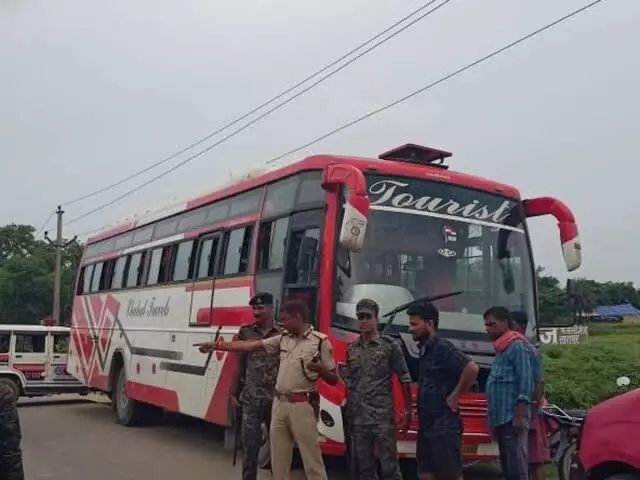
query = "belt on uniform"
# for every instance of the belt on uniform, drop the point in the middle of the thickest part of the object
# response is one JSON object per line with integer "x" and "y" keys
{"x": 295, "y": 397}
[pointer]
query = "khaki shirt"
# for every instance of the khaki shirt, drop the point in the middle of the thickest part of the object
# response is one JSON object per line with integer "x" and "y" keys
{"x": 292, "y": 348}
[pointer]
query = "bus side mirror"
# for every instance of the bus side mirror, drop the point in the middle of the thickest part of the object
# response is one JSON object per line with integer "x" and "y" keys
{"x": 353, "y": 231}
{"x": 569, "y": 237}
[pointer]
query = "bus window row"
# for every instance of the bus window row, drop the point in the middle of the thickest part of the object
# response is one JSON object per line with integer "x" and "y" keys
{"x": 216, "y": 254}
{"x": 282, "y": 196}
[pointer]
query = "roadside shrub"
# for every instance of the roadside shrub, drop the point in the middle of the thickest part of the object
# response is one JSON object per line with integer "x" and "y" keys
{"x": 579, "y": 376}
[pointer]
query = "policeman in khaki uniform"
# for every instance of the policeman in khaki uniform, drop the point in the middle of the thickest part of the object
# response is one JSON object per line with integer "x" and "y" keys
{"x": 253, "y": 386}
{"x": 305, "y": 356}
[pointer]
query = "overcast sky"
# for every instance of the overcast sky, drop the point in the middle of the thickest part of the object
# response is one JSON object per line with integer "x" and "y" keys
{"x": 93, "y": 90}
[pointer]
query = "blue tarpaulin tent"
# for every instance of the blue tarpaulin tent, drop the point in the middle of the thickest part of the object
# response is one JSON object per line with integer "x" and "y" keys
{"x": 624, "y": 310}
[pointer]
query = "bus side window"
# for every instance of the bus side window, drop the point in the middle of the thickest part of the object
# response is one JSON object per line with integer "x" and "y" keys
{"x": 182, "y": 264}
{"x": 303, "y": 257}
{"x": 107, "y": 275}
{"x": 160, "y": 265}
{"x": 97, "y": 275}
{"x": 118, "y": 273}
{"x": 5, "y": 340}
{"x": 134, "y": 270}
{"x": 207, "y": 257}
{"x": 86, "y": 278}
{"x": 271, "y": 244}
{"x": 238, "y": 248}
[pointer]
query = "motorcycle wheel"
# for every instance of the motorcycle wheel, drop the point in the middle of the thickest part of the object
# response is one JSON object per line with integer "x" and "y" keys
{"x": 567, "y": 463}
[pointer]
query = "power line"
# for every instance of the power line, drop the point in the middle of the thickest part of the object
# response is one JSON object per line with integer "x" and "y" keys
{"x": 46, "y": 222}
{"x": 249, "y": 113}
{"x": 433, "y": 84}
{"x": 255, "y": 120}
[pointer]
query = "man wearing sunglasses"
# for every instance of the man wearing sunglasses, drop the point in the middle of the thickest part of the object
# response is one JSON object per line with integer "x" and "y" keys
{"x": 372, "y": 360}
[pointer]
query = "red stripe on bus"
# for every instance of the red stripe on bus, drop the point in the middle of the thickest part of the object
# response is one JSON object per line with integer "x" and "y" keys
{"x": 77, "y": 343}
{"x": 225, "y": 316}
{"x": 81, "y": 324}
{"x": 218, "y": 410}
{"x": 110, "y": 232}
{"x": 99, "y": 381}
{"x": 158, "y": 396}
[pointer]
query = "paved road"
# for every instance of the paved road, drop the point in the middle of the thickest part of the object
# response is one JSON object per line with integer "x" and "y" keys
{"x": 72, "y": 438}
{"x": 77, "y": 439}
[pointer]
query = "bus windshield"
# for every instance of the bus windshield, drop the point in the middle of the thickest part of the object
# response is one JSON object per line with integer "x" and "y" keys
{"x": 430, "y": 238}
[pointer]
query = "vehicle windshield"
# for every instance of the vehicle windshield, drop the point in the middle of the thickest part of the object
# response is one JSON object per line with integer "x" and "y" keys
{"x": 431, "y": 238}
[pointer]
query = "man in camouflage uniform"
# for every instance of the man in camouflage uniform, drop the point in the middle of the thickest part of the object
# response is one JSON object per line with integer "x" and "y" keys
{"x": 372, "y": 360}
{"x": 10, "y": 435}
{"x": 257, "y": 372}
{"x": 305, "y": 357}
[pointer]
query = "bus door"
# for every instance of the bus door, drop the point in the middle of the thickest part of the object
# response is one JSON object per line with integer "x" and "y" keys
{"x": 58, "y": 350}
{"x": 302, "y": 269}
{"x": 207, "y": 253}
{"x": 29, "y": 355}
{"x": 207, "y": 257}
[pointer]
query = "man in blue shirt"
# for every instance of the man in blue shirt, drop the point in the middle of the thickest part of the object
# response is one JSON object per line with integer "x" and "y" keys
{"x": 509, "y": 393}
{"x": 538, "y": 444}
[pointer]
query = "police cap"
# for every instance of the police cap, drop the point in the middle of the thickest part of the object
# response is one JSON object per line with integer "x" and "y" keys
{"x": 366, "y": 305}
{"x": 261, "y": 299}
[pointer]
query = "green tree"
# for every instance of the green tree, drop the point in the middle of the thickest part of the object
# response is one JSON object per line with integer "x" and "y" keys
{"x": 552, "y": 299}
{"x": 26, "y": 276}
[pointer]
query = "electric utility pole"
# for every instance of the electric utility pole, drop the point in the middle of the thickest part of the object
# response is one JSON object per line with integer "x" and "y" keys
{"x": 59, "y": 246}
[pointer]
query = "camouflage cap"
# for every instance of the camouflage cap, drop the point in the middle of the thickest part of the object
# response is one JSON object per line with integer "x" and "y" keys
{"x": 368, "y": 305}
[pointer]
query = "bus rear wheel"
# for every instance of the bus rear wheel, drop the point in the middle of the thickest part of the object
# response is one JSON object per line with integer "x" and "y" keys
{"x": 130, "y": 412}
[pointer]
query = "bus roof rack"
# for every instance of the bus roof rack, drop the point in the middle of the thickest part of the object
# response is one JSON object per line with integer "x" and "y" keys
{"x": 418, "y": 154}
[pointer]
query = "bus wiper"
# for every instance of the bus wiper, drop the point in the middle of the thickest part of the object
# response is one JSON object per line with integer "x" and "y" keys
{"x": 402, "y": 308}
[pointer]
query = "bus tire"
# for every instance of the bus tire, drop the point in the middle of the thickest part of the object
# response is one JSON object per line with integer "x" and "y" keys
{"x": 129, "y": 412}
{"x": 12, "y": 384}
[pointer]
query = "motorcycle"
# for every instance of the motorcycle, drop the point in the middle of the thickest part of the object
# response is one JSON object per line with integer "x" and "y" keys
{"x": 564, "y": 428}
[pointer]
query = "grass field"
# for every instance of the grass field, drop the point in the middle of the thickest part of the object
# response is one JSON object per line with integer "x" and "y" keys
{"x": 579, "y": 376}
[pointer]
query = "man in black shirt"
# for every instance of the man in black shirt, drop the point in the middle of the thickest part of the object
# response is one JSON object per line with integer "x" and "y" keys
{"x": 445, "y": 373}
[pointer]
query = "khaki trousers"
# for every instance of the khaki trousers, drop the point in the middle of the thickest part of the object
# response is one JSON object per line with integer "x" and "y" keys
{"x": 295, "y": 422}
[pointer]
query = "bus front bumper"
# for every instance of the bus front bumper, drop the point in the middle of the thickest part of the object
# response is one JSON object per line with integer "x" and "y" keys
{"x": 475, "y": 448}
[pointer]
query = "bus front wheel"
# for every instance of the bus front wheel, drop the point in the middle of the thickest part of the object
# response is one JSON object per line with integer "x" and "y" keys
{"x": 130, "y": 412}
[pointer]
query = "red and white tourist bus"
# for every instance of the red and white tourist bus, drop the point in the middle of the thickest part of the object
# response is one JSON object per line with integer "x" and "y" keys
{"x": 329, "y": 230}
